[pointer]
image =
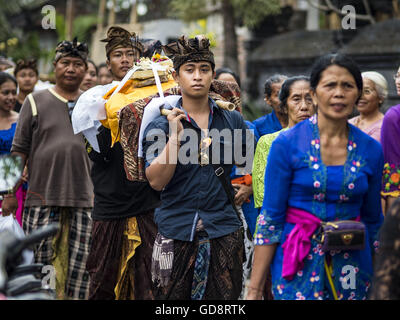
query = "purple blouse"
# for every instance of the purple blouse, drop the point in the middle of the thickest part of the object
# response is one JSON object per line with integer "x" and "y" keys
{"x": 390, "y": 139}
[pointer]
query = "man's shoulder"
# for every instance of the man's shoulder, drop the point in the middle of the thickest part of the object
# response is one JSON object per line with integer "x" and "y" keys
{"x": 160, "y": 122}
{"x": 234, "y": 118}
{"x": 40, "y": 94}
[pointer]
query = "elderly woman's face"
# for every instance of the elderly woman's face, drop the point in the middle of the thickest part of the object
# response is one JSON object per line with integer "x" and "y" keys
{"x": 370, "y": 100}
{"x": 299, "y": 103}
{"x": 273, "y": 100}
{"x": 336, "y": 93}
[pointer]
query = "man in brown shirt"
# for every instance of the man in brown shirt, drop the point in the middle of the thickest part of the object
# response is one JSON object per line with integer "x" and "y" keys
{"x": 60, "y": 188}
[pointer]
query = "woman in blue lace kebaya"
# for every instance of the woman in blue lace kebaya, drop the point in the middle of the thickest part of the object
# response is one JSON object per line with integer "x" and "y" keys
{"x": 327, "y": 170}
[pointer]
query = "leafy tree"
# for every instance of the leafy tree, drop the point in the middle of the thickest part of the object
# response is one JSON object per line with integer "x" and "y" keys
{"x": 234, "y": 12}
{"x": 12, "y": 8}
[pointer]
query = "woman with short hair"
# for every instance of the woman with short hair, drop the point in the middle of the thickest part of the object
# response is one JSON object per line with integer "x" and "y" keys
{"x": 375, "y": 91}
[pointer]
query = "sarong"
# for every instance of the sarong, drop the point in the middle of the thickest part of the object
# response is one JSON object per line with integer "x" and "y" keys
{"x": 68, "y": 250}
{"x": 224, "y": 279}
{"x": 107, "y": 257}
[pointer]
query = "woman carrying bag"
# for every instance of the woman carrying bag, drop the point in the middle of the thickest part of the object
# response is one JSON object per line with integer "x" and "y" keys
{"x": 324, "y": 170}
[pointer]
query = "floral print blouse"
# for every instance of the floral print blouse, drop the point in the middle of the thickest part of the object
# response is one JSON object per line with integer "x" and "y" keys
{"x": 296, "y": 176}
{"x": 390, "y": 139}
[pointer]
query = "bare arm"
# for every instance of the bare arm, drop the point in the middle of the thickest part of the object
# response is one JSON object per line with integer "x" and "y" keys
{"x": 389, "y": 203}
{"x": 162, "y": 169}
{"x": 263, "y": 256}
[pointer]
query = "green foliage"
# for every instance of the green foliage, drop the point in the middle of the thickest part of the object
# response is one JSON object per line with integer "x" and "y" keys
{"x": 189, "y": 10}
{"x": 60, "y": 26}
{"x": 10, "y": 8}
{"x": 26, "y": 47}
{"x": 82, "y": 26}
{"x": 251, "y": 12}
{"x": 202, "y": 29}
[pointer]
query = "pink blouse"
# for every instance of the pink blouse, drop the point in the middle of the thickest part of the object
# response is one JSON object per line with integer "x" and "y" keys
{"x": 373, "y": 130}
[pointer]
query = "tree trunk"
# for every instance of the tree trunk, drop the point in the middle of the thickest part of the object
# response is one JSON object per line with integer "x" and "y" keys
{"x": 396, "y": 10}
{"x": 230, "y": 37}
{"x": 69, "y": 19}
{"x": 111, "y": 14}
{"x": 100, "y": 15}
{"x": 133, "y": 14}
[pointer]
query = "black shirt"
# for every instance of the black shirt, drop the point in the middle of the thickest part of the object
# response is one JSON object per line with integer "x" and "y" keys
{"x": 17, "y": 107}
{"x": 115, "y": 196}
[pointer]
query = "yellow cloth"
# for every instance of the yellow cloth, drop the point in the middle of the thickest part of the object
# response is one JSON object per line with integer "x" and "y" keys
{"x": 127, "y": 95}
{"x": 125, "y": 283}
{"x": 394, "y": 194}
{"x": 60, "y": 259}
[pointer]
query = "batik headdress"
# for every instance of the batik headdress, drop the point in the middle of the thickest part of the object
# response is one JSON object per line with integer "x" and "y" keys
{"x": 72, "y": 49}
{"x": 193, "y": 49}
{"x": 26, "y": 64}
{"x": 119, "y": 37}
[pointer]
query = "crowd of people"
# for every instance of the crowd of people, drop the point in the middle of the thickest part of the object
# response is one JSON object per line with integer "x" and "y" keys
{"x": 138, "y": 221}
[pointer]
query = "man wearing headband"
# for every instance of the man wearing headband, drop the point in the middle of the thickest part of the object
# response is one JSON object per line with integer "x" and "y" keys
{"x": 122, "y": 50}
{"x": 198, "y": 252}
{"x": 60, "y": 189}
{"x": 119, "y": 269}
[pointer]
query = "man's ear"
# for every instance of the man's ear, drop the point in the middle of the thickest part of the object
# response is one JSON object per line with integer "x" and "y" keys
{"x": 175, "y": 76}
{"x": 108, "y": 65}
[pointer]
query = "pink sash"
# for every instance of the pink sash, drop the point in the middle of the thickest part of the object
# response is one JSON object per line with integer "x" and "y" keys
{"x": 298, "y": 242}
